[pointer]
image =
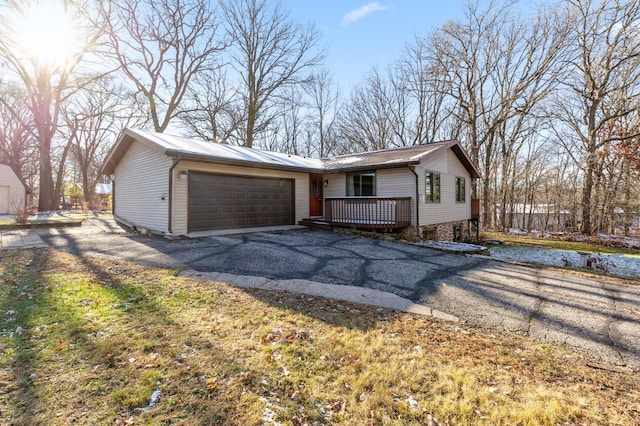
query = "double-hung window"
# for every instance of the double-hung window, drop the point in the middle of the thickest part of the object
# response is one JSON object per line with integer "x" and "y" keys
{"x": 460, "y": 190}
{"x": 361, "y": 184}
{"x": 432, "y": 187}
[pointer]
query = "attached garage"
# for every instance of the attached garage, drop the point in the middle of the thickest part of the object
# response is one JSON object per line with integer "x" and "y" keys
{"x": 176, "y": 186}
{"x": 221, "y": 201}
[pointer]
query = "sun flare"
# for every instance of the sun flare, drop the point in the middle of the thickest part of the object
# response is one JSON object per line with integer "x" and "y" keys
{"x": 49, "y": 35}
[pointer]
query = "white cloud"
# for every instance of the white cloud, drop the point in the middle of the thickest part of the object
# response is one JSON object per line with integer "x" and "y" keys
{"x": 358, "y": 14}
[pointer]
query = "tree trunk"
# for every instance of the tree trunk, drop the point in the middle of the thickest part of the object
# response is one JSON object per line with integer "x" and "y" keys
{"x": 59, "y": 187}
{"x": 587, "y": 187}
{"x": 627, "y": 217}
{"x": 40, "y": 111}
{"x": 251, "y": 123}
{"x": 87, "y": 190}
{"x": 46, "y": 199}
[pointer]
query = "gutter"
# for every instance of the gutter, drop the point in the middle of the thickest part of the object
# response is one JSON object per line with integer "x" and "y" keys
{"x": 170, "y": 195}
{"x": 413, "y": 170}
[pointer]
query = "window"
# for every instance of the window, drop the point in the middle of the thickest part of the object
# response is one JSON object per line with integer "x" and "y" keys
{"x": 457, "y": 233}
{"x": 432, "y": 187}
{"x": 460, "y": 191}
{"x": 362, "y": 184}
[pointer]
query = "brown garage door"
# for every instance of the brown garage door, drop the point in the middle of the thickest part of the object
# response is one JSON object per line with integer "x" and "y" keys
{"x": 227, "y": 201}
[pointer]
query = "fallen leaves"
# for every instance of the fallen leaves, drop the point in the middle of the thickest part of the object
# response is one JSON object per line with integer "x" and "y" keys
{"x": 126, "y": 421}
{"x": 211, "y": 384}
{"x": 279, "y": 335}
{"x": 226, "y": 353}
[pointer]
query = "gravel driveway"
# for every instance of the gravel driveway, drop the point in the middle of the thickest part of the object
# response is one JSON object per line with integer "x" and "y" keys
{"x": 598, "y": 316}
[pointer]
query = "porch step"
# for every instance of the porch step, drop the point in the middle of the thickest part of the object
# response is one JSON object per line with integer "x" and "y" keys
{"x": 316, "y": 223}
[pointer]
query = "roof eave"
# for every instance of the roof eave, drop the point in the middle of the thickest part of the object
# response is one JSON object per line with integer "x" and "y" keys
{"x": 457, "y": 149}
{"x": 27, "y": 188}
{"x": 123, "y": 143}
{"x": 465, "y": 160}
{"x": 347, "y": 169}
{"x": 189, "y": 156}
{"x": 128, "y": 136}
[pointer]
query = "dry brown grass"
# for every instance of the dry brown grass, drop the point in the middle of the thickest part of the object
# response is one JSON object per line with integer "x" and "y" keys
{"x": 100, "y": 336}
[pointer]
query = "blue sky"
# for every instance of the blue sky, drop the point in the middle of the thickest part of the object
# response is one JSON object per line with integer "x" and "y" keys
{"x": 360, "y": 34}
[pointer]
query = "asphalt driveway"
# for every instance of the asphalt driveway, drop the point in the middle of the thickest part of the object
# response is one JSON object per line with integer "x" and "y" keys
{"x": 598, "y": 316}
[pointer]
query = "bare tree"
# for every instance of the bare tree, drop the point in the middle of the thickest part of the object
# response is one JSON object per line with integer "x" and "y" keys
{"x": 161, "y": 46}
{"x": 366, "y": 121}
{"x": 603, "y": 64}
{"x": 18, "y": 146}
{"x": 422, "y": 76}
{"x": 291, "y": 122}
{"x": 92, "y": 121}
{"x": 213, "y": 111}
{"x": 322, "y": 112}
{"x": 499, "y": 68}
{"x": 269, "y": 52}
{"x": 47, "y": 82}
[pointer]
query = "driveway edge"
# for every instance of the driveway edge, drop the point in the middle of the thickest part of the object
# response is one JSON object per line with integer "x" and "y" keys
{"x": 347, "y": 293}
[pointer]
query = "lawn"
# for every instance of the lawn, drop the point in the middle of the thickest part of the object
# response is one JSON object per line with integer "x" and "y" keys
{"x": 95, "y": 341}
{"x": 48, "y": 219}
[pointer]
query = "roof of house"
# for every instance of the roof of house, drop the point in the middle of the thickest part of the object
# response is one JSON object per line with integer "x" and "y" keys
{"x": 197, "y": 150}
{"x": 541, "y": 209}
{"x": 103, "y": 188}
{"x": 396, "y": 157}
{"x": 193, "y": 149}
{"x": 15, "y": 172}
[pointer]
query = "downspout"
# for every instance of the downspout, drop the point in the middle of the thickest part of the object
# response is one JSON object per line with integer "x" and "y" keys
{"x": 413, "y": 170}
{"x": 170, "y": 196}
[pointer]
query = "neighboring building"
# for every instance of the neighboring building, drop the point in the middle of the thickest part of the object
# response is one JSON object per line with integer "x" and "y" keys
{"x": 553, "y": 218}
{"x": 176, "y": 186}
{"x": 103, "y": 195}
{"x": 539, "y": 217}
{"x": 13, "y": 191}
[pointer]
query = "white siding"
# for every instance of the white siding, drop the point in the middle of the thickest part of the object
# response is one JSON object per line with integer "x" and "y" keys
{"x": 389, "y": 183}
{"x": 12, "y": 191}
{"x": 397, "y": 183}
{"x": 180, "y": 191}
{"x": 337, "y": 186}
{"x": 447, "y": 210}
{"x": 142, "y": 188}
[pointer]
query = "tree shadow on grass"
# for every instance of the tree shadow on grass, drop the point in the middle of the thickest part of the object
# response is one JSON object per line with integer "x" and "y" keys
{"x": 66, "y": 318}
{"x": 335, "y": 313}
{"x": 84, "y": 359}
{"x": 485, "y": 296}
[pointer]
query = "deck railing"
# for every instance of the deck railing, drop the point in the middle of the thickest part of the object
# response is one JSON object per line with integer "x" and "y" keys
{"x": 369, "y": 212}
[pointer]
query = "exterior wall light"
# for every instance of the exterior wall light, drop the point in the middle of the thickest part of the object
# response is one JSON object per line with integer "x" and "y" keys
{"x": 183, "y": 174}
{"x": 326, "y": 183}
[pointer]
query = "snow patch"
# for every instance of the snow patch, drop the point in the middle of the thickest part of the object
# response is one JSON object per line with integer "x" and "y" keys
{"x": 451, "y": 246}
{"x": 615, "y": 265}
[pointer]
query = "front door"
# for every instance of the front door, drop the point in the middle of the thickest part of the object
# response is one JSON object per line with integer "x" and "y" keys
{"x": 315, "y": 195}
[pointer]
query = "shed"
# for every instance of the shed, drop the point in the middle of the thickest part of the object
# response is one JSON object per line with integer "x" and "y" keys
{"x": 13, "y": 191}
